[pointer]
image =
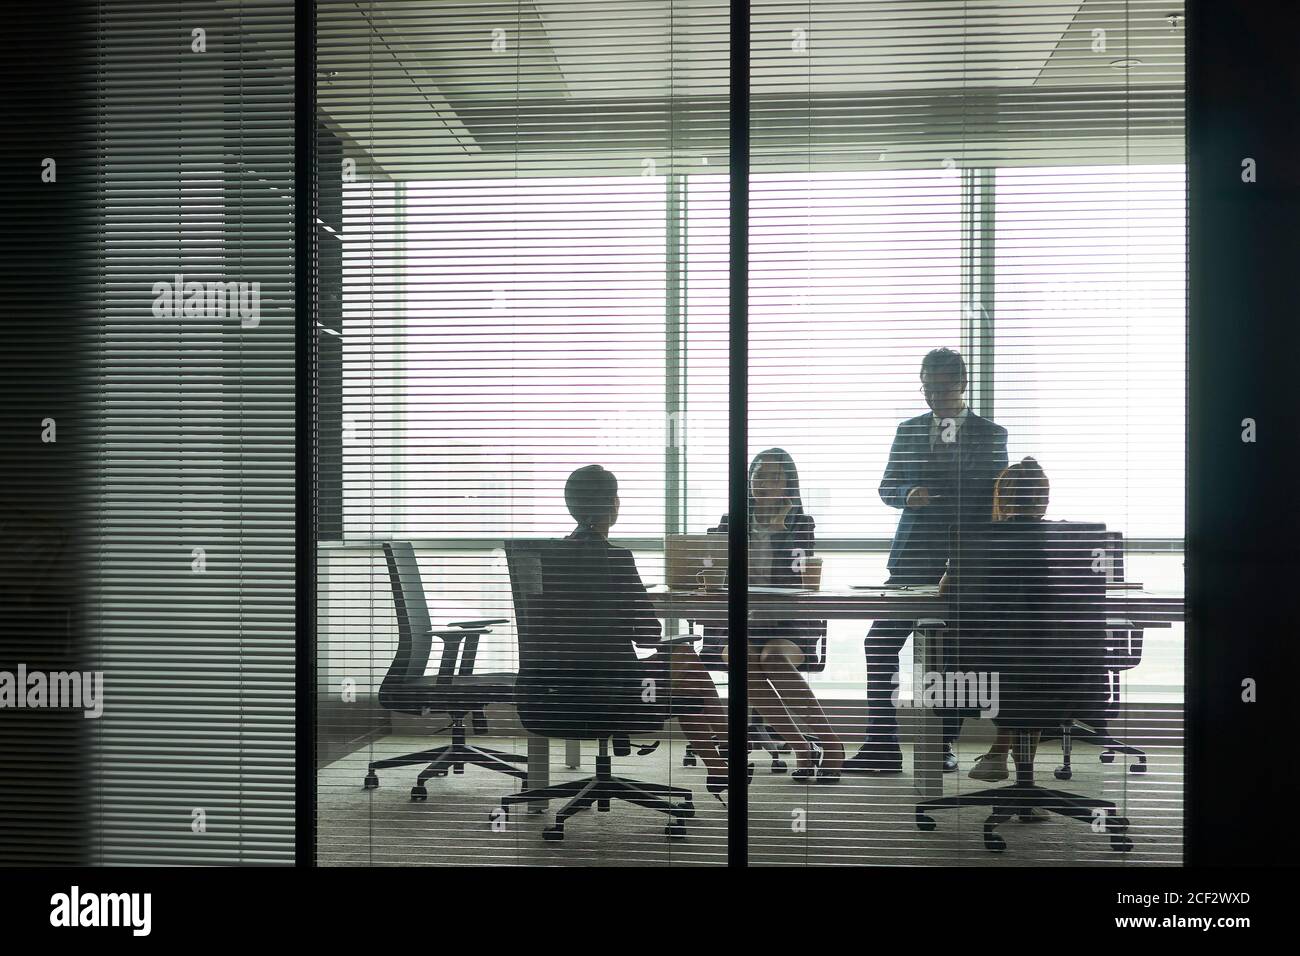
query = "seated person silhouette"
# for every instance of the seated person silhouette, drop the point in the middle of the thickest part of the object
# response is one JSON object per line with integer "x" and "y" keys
{"x": 1020, "y": 497}
{"x": 781, "y": 539}
{"x": 687, "y": 691}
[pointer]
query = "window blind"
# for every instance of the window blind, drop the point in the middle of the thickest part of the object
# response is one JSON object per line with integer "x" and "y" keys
{"x": 529, "y": 244}
{"x": 48, "y": 258}
{"x": 192, "y": 591}
{"x": 518, "y": 270}
{"x": 1003, "y": 179}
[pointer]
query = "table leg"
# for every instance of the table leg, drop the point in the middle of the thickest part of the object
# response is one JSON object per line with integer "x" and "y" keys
{"x": 927, "y": 749}
{"x": 539, "y": 768}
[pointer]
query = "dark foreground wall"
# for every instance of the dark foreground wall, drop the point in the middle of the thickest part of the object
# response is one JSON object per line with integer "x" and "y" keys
{"x": 1243, "y": 524}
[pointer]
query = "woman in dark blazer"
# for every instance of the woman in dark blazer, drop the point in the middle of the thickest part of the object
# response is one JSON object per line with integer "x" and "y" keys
{"x": 781, "y": 541}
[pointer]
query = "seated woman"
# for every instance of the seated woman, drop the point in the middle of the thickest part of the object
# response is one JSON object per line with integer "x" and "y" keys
{"x": 780, "y": 543}
{"x": 1020, "y": 493}
{"x": 689, "y": 694}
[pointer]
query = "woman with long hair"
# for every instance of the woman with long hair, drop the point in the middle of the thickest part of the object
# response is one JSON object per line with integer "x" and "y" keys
{"x": 781, "y": 541}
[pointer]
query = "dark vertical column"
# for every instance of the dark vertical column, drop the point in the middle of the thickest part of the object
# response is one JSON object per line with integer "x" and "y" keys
{"x": 49, "y": 310}
{"x": 738, "y": 443}
{"x": 1243, "y": 522}
{"x": 329, "y": 335}
{"x": 305, "y": 302}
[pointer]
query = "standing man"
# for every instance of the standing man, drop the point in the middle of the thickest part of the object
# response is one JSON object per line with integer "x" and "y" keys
{"x": 941, "y": 471}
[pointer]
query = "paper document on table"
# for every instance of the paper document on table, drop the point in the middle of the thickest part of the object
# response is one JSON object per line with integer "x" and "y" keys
{"x": 915, "y": 588}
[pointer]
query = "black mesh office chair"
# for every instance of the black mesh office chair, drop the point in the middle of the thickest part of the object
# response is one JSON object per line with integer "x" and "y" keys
{"x": 578, "y": 674}
{"x": 1123, "y": 651}
{"x": 1026, "y": 604}
{"x": 455, "y": 690}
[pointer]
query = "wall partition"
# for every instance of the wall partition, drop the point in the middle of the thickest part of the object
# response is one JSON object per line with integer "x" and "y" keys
{"x": 1003, "y": 180}
{"x": 189, "y": 576}
{"x": 525, "y": 232}
{"x": 505, "y": 195}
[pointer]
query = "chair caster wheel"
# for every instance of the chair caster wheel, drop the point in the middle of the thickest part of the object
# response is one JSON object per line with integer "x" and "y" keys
{"x": 371, "y": 781}
{"x": 675, "y": 830}
{"x": 1117, "y": 826}
{"x": 1138, "y": 768}
{"x": 602, "y": 806}
{"x": 925, "y": 822}
{"x": 438, "y": 773}
{"x": 688, "y": 760}
{"x": 1107, "y": 757}
{"x": 684, "y": 810}
{"x": 419, "y": 793}
{"x": 1063, "y": 773}
{"x": 459, "y": 768}
{"x": 554, "y": 833}
{"x": 778, "y": 766}
{"x": 1121, "y": 844}
{"x": 993, "y": 842}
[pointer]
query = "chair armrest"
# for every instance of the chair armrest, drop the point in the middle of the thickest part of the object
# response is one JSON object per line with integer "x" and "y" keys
{"x": 931, "y": 624}
{"x": 679, "y": 639}
{"x": 476, "y": 625}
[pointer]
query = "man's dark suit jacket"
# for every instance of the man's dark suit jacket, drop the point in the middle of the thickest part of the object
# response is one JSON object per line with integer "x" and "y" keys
{"x": 921, "y": 541}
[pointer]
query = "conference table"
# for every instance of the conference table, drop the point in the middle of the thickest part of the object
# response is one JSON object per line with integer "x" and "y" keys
{"x": 1128, "y": 607}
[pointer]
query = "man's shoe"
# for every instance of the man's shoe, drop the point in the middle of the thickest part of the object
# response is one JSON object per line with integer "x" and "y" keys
{"x": 949, "y": 760}
{"x": 990, "y": 768}
{"x": 874, "y": 760}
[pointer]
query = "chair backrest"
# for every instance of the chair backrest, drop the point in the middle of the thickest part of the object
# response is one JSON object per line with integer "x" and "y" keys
{"x": 817, "y": 662}
{"x": 1123, "y": 645}
{"x": 1114, "y": 557}
{"x": 579, "y": 675}
{"x": 414, "y": 629}
{"x": 1028, "y": 604}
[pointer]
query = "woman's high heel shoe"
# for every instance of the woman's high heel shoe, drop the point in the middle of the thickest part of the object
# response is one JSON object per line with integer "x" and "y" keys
{"x": 717, "y": 785}
{"x": 815, "y": 755}
{"x": 828, "y": 774}
{"x": 816, "y": 773}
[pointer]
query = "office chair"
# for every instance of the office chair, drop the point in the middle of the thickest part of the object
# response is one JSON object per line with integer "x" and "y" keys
{"x": 1027, "y": 606}
{"x": 578, "y": 677}
{"x": 455, "y": 690}
{"x": 1123, "y": 652}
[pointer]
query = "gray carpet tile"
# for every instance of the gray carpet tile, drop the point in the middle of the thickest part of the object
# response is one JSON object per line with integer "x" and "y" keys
{"x": 861, "y": 821}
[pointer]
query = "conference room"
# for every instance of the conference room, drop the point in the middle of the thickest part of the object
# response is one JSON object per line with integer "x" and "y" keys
{"x": 959, "y": 244}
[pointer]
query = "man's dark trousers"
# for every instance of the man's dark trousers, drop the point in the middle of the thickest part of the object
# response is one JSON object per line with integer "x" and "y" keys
{"x": 883, "y": 644}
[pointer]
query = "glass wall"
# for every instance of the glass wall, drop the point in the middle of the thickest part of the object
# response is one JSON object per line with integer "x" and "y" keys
{"x": 532, "y": 201}
{"x": 530, "y": 237}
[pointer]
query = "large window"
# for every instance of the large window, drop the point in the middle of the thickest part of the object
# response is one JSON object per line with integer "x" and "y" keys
{"x": 540, "y": 350}
{"x": 535, "y": 260}
{"x": 1089, "y": 337}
